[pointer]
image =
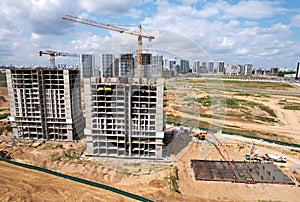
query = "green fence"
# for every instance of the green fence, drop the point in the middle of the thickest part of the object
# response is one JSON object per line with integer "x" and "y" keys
{"x": 76, "y": 179}
{"x": 247, "y": 136}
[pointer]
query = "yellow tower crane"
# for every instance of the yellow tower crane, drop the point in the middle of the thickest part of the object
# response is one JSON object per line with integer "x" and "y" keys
{"x": 54, "y": 54}
{"x": 118, "y": 29}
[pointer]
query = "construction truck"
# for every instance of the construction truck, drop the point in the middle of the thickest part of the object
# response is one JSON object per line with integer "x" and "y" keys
{"x": 276, "y": 158}
{"x": 200, "y": 135}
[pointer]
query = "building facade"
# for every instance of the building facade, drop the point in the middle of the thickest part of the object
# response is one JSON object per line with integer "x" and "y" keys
{"x": 220, "y": 67}
{"x": 185, "y": 67}
{"x": 107, "y": 65}
{"x": 248, "y": 69}
{"x": 124, "y": 119}
{"x": 87, "y": 65}
{"x": 210, "y": 66}
{"x": 45, "y": 103}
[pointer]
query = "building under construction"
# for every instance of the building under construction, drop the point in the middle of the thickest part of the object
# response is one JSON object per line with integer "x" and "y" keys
{"x": 124, "y": 119}
{"x": 45, "y": 103}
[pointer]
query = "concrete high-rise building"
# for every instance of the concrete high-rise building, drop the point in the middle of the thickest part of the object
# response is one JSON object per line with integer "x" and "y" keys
{"x": 242, "y": 69}
{"x": 124, "y": 119}
{"x": 45, "y": 103}
{"x": 185, "y": 66}
{"x": 248, "y": 69}
{"x": 107, "y": 65}
{"x": 87, "y": 65}
{"x": 203, "y": 67}
{"x": 147, "y": 66}
{"x": 196, "y": 66}
{"x": 274, "y": 71}
{"x": 172, "y": 63}
{"x": 158, "y": 66}
{"x": 220, "y": 67}
{"x": 126, "y": 67}
{"x": 210, "y": 66}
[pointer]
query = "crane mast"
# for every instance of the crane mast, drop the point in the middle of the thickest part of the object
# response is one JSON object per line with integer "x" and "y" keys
{"x": 117, "y": 29}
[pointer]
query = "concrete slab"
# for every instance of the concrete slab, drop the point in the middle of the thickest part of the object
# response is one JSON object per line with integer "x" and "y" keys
{"x": 243, "y": 172}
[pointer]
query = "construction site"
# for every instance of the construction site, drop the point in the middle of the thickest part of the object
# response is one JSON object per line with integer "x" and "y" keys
{"x": 114, "y": 132}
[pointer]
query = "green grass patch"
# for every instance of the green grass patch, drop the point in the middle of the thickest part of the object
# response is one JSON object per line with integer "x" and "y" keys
{"x": 205, "y": 101}
{"x": 3, "y": 80}
{"x": 243, "y": 94}
{"x": 4, "y": 116}
{"x": 290, "y": 107}
{"x": 267, "y": 109}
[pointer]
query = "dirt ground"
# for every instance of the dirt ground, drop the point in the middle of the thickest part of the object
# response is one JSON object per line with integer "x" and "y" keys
{"x": 147, "y": 178}
{"x": 231, "y": 191}
{"x": 285, "y": 126}
{"x": 20, "y": 184}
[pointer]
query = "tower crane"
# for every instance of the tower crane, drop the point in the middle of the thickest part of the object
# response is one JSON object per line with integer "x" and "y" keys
{"x": 139, "y": 34}
{"x": 54, "y": 54}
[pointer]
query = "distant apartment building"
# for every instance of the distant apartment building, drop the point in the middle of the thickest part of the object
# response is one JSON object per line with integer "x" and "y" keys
{"x": 196, "y": 66}
{"x": 45, "y": 103}
{"x": 185, "y": 66}
{"x": 203, "y": 67}
{"x": 220, "y": 67}
{"x": 108, "y": 65}
{"x": 124, "y": 119}
{"x": 248, "y": 69}
{"x": 172, "y": 64}
{"x": 158, "y": 66}
{"x": 87, "y": 65}
{"x": 147, "y": 66}
{"x": 274, "y": 71}
{"x": 210, "y": 66}
{"x": 126, "y": 66}
{"x": 232, "y": 70}
{"x": 242, "y": 69}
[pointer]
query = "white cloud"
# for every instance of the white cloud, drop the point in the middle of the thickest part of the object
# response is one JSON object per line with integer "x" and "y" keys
{"x": 105, "y": 7}
{"x": 232, "y": 32}
{"x": 253, "y": 9}
{"x": 227, "y": 40}
{"x": 242, "y": 51}
{"x": 227, "y": 43}
{"x": 296, "y": 20}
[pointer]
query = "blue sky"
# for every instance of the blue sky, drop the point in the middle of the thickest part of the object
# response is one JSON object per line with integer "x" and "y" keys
{"x": 264, "y": 33}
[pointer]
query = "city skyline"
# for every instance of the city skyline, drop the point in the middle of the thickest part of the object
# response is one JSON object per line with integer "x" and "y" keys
{"x": 262, "y": 33}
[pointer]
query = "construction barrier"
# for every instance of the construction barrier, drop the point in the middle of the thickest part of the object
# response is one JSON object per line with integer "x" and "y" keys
{"x": 76, "y": 179}
{"x": 246, "y": 136}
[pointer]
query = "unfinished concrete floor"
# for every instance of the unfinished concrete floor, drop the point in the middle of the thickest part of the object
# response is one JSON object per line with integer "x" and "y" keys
{"x": 239, "y": 171}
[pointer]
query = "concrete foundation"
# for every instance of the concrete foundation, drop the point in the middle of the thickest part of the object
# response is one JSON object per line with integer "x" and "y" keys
{"x": 243, "y": 172}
